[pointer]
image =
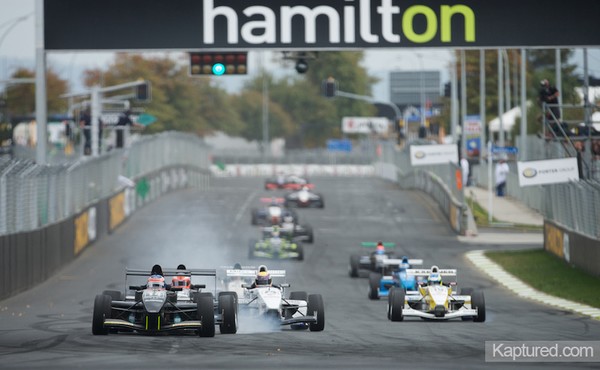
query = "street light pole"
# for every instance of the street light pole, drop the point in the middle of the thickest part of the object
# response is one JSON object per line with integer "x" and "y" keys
{"x": 421, "y": 89}
{"x": 40, "y": 83}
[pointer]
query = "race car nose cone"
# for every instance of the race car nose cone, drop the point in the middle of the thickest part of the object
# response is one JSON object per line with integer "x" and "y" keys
{"x": 439, "y": 311}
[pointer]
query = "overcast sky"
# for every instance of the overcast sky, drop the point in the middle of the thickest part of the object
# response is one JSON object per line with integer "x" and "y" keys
{"x": 17, "y": 48}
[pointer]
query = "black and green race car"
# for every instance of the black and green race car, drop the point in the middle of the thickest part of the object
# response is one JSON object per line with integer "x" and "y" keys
{"x": 275, "y": 245}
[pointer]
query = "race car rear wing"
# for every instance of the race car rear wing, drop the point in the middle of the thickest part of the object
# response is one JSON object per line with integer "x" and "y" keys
{"x": 252, "y": 273}
{"x": 396, "y": 261}
{"x": 426, "y": 272}
{"x": 172, "y": 272}
{"x": 374, "y": 244}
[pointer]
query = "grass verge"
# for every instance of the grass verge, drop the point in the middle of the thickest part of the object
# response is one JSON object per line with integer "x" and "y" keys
{"x": 549, "y": 274}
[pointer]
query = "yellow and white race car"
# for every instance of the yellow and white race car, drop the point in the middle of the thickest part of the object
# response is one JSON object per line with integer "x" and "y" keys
{"x": 436, "y": 299}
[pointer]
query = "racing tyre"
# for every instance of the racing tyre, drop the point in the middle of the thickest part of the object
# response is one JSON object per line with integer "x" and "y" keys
{"x": 478, "y": 302}
{"x": 466, "y": 291}
{"x": 354, "y": 265}
{"x": 254, "y": 220}
{"x": 322, "y": 202}
{"x": 206, "y": 315}
{"x": 316, "y": 308}
{"x": 389, "y": 307}
{"x": 374, "y": 280}
{"x": 300, "y": 296}
{"x": 397, "y": 304}
{"x": 300, "y": 251}
{"x": 102, "y": 308}
{"x": 228, "y": 310}
{"x": 114, "y": 294}
{"x": 310, "y": 234}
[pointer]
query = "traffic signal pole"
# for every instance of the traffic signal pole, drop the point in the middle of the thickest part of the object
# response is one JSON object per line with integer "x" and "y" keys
{"x": 370, "y": 100}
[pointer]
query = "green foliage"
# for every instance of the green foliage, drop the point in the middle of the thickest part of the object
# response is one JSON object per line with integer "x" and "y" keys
{"x": 21, "y": 97}
{"x": 548, "y": 273}
{"x": 179, "y": 102}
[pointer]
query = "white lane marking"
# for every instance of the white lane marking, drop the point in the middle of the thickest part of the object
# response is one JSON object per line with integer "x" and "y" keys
{"x": 497, "y": 273}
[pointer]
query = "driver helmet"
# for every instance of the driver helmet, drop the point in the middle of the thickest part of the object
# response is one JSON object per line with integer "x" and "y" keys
{"x": 181, "y": 280}
{"x": 263, "y": 277}
{"x": 380, "y": 249}
{"x": 404, "y": 264}
{"x": 275, "y": 232}
{"x": 434, "y": 278}
{"x": 156, "y": 281}
{"x": 237, "y": 266}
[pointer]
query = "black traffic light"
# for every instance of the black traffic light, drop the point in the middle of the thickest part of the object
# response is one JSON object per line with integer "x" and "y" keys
{"x": 329, "y": 87}
{"x": 301, "y": 66}
{"x": 217, "y": 64}
{"x": 143, "y": 92}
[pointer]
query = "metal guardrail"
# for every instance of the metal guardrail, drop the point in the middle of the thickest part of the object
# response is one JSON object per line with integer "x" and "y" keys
{"x": 439, "y": 181}
{"x": 32, "y": 195}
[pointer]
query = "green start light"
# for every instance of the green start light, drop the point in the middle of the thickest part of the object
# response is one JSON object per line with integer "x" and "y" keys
{"x": 218, "y": 64}
{"x": 218, "y": 69}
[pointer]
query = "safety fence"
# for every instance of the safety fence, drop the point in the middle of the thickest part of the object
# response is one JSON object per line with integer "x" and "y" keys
{"x": 442, "y": 182}
{"x": 50, "y": 214}
{"x": 573, "y": 205}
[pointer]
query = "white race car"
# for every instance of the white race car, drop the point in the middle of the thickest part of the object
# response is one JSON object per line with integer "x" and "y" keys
{"x": 436, "y": 301}
{"x": 300, "y": 310}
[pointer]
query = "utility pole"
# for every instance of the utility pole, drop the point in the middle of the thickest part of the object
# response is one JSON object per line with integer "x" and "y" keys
{"x": 483, "y": 143}
{"x": 40, "y": 84}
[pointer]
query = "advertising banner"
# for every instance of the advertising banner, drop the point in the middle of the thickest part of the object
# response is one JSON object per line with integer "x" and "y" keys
{"x": 421, "y": 155}
{"x": 365, "y": 125}
{"x": 473, "y": 136}
{"x": 552, "y": 171}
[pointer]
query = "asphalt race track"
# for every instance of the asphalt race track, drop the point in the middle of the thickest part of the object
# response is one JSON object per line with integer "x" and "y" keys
{"x": 50, "y": 326}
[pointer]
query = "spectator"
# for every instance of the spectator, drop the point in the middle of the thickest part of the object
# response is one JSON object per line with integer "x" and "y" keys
{"x": 596, "y": 149}
{"x": 85, "y": 122}
{"x": 124, "y": 120}
{"x": 549, "y": 95}
{"x": 464, "y": 165}
{"x": 501, "y": 175}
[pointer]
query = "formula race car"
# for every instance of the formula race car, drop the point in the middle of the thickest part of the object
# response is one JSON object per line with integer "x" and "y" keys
{"x": 298, "y": 232}
{"x": 158, "y": 308}
{"x": 304, "y": 198}
{"x": 275, "y": 244}
{"x": 273, "y": 213}
{"x": 436, "y": 300}
{"x": 288, "y": 182}
{"x": 392, "y": 274}
{"x": 371, "y": 261}
{"x": 265, "y": 300}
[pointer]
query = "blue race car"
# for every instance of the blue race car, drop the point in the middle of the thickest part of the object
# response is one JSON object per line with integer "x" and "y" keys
{"x": 393, "y": 275}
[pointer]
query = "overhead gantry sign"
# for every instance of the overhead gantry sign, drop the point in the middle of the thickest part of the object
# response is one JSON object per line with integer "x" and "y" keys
{"x": 197, "y": 25}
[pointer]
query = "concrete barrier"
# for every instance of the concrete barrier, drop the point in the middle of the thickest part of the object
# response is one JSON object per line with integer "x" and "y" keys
{"x": 573, "y": 247}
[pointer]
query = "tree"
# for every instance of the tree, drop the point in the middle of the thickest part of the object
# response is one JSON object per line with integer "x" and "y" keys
{"x": 20, "y": 98}
{"x": 178, "y": 101}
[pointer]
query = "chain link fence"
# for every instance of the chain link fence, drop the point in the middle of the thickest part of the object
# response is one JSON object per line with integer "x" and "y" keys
{"x": 32, "y": 195}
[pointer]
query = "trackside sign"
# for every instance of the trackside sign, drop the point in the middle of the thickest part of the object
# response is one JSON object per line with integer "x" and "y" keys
{"x": 421, "y": 155}
{"x": 316, "y": 24}
{"x": 548, "y": 172}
